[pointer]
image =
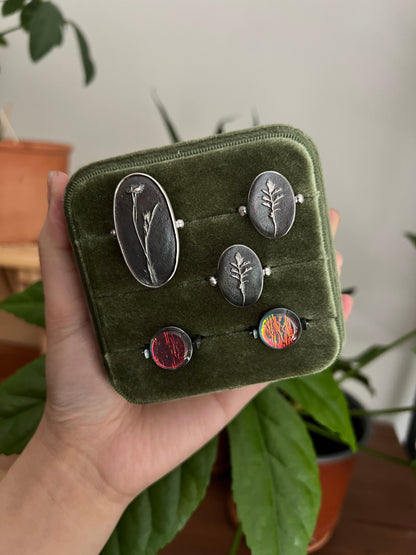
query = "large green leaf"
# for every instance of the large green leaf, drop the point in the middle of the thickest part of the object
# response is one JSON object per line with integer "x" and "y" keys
{"x": 154, "y": 517}
{"x": 22, "y": 400}
{"x": 11, "y": 6}
{"x": 321, "y": 397}
{"x": 45, "y": 30}
{"x": 28, "y": 305}
{"x": 275, "y": 476}
{"x": 87, "y": 62}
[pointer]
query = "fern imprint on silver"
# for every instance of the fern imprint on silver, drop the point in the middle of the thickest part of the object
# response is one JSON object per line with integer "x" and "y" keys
{"x": 271, "y": 204}
{"x": 239, "y": 270}
{"x": 240, "y": 275}
{"x": 147, "y": 225}
{"x": 271, "y": 200}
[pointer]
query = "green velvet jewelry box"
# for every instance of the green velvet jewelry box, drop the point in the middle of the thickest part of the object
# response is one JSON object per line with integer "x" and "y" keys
{"x": 206, "y": 181}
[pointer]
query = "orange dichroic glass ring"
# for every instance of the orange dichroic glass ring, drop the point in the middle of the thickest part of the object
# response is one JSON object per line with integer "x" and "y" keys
{"x": 280, "y": 328}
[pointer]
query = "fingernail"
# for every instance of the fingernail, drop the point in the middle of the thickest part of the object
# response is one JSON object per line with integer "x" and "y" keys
{"x": 51, "y": 175}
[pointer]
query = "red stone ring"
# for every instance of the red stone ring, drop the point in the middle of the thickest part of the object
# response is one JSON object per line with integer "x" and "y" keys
{"x": 171, "y": 348}
{"x": 280, "y": 328}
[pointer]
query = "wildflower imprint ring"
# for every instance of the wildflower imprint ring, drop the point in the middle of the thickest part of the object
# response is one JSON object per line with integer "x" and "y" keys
{"x": 279, "y": 328}
{"x": 240, "y": 275}
{"x": 171, "y": 348}
{"x": 146, "y": 229}
{"x": 271, "y": 204}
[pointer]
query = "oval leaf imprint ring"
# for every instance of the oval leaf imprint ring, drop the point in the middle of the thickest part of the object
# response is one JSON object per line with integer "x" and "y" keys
{"x": 271, "y": 204}
{"x": 240, "y": 275}
{"x": 146, "y": 229}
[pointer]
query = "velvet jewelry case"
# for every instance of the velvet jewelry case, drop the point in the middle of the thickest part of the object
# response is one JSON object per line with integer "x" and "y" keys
{"x": 206, "y": 181}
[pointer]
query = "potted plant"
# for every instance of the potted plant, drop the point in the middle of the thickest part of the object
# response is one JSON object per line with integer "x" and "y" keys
{"x": 24, "y": 165}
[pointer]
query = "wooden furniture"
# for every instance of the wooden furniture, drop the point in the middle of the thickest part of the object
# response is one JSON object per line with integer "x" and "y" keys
{"x": 19, "y": 265}
{"x": 379, "y": 514}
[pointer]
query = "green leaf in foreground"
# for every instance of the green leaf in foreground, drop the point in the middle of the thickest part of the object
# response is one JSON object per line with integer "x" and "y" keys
{"x": 45, "y": 30}
{"x": 22, "y": 400}
{"x": 3, "y": 41}
{"x": 88, "y": 65}
{"x": 154, "y": 517}
{"x": 28, "y": 305}
{"x": 275, "y": 476}
{"x": 320, "y": 396}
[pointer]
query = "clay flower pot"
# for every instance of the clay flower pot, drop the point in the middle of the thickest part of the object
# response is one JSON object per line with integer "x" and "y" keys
{"x": 336, "y": 463}
{"x": 24, "y": 167}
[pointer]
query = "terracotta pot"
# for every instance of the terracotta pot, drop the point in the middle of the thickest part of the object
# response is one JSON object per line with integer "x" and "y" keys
{"x": 335, "y": 464}
{"x": 24, "y": 167}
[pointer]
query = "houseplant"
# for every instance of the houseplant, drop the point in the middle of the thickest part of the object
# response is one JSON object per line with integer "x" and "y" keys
{"x": 24, "y": 164}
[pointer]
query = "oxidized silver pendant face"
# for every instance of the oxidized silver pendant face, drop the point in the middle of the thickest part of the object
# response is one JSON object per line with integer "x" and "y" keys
{"x": 146, "y": 229}
{"x": 271, "y": 204}
{"x": 240, "y": 275}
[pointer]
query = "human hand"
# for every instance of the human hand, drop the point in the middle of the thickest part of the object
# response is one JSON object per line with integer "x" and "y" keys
{"x": 119, "y": 447}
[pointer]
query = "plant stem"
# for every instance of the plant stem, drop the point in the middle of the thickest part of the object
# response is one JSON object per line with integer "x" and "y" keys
{"x": 323, "y": 432}
{"x": 388, "y": 458}
{"x": 361, "y": 412}
{"x": 363, "y": 448}
{"x": 355, "y": 361}
{"x": 237, "y": 540}
{"x": 11, "y": 30}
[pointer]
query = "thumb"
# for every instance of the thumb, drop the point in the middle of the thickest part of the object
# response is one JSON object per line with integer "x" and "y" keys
{"x": 65, "y": 306}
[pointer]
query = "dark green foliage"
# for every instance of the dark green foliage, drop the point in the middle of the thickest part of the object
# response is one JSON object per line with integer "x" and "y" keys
{"x": 173, "y": 134}
{"x": 45, "y": 30}
{"x": 28, "y": 305}
{"x": 22, "y": 400}
{"x": 45, "y": 24}
{"x": 27, "y": 14}
{"x": 85, "y": 54}
{"x": 11, "y": 6}
{"x": 153, "y": 519}
{"x": 320, "y": 397}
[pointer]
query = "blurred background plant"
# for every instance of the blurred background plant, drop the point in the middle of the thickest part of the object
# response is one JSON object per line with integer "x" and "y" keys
{"x": 45, "y": 26}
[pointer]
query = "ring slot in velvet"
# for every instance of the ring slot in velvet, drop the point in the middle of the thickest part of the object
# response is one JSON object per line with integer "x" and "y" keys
{"x": 206, "y": 181}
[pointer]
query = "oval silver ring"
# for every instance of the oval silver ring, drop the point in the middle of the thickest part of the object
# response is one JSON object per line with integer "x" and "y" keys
{"x": 146, "y": 229}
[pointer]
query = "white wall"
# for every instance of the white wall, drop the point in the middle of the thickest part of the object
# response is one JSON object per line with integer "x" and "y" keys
{"x": 345, "y": 72}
